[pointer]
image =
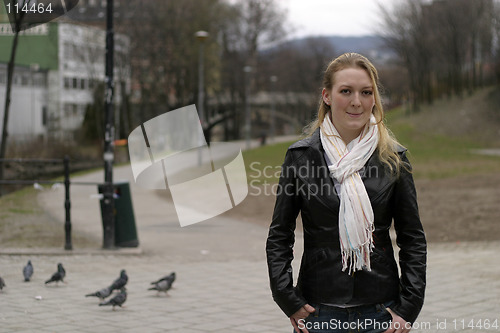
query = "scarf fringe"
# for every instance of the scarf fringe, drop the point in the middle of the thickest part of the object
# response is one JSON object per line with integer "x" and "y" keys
{"x": 357, "y": 259}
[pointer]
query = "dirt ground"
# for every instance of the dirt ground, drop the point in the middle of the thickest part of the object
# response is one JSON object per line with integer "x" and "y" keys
{"x": 24, "y": 224}
{"x": 452, "y": 210}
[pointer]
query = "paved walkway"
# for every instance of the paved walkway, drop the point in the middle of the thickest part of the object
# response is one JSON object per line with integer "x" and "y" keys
{"x": 221, "y": 285}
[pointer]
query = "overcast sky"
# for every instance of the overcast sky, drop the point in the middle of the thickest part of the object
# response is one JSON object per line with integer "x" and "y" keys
{"x": 333, "y": 17}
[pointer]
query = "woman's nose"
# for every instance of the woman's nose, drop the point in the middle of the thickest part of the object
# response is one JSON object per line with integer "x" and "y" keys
{"x": 355, "y": 100}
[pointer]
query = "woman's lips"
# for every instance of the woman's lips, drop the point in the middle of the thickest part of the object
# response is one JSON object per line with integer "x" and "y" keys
{"x": 355, "y": 115}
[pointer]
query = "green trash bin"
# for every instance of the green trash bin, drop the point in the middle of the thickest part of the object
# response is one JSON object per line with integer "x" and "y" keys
{"x": 125, "y": 230}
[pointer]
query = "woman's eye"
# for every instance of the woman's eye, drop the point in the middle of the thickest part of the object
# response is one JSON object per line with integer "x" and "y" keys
{"x": 368, "y": 92}
{"x": 345, "y": 91}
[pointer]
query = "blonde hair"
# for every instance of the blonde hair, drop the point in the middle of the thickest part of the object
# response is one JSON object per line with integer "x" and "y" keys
{"x": 387, "y": 144}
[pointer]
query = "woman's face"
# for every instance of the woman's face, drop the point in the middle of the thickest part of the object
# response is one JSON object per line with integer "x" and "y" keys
{"x": 351, "y": 101}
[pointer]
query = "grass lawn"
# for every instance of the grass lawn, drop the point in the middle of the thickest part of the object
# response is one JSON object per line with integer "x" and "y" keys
{"x": 437, "y": 154}
{"x": 263, "y": 164}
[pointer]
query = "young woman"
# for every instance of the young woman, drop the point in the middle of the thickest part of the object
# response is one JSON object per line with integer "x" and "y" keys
{"x": 349, "y": 179}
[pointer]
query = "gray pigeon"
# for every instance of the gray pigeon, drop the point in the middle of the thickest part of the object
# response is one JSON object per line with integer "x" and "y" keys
{"x": 28, "y": 271}
{"x": 162, "y": 285}
{"x": 57, "y": 276}
{"x": 120, "y": 282}
{"x": 119, "y": 299}
{"x": 2, "y": 283}
{"x": 170, "y": 278}
{"x": 101, "y": 294}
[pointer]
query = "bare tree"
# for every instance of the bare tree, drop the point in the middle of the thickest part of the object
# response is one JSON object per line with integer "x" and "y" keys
{"x": 443, "y": 44}
{"x": 482, "y": 35}
{"x": 496, "y": 31}
{"x": 17, "y": 18}
{"x": 405, "y": 33}
{"x": 164, "y": 51}
{"x": 298, "y": 66}
{"x": 247, "y": 27}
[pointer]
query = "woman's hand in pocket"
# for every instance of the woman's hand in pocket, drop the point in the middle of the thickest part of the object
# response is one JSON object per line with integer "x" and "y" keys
{"x": 398, "y": 324}
{"x": 297, "y": 319}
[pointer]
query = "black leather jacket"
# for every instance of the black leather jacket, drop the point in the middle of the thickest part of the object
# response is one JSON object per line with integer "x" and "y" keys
{"x": 305, "y": 186}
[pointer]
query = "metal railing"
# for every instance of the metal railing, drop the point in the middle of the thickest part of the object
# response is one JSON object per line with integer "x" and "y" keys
{"x": 67, "y": 182}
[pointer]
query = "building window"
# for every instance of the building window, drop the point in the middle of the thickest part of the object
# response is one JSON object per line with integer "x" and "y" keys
{"x": 68, "y": 51}
{"x": 44, "y": 116}
{"x": 75, "y": 83}
{"x": 81, "y": 110}
{"x": 70, "y": 110}
{"x": 67, "y": 83}
{"x": 38, "y": 80}
{"x": 25, "y": 80}
{"x": 94, "y": 83}
{"x": 67, "y": 109}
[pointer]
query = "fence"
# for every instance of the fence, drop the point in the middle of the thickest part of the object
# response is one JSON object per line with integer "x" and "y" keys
{"x": 67, "y": 182}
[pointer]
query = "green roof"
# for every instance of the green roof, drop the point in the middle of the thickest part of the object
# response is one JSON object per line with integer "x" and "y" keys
{"x": 37, "y": 45}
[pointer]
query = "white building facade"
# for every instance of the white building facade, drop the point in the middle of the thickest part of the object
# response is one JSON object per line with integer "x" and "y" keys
{"x": 52, "y": 90}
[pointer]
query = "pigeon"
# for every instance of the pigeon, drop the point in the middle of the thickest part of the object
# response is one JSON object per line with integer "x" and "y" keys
{"x": 120, "y": 282}
{"x": 57, "y": 276}
{"x": 2, "y": 283}
{"x": 162, "y": 285}
{"x": 170, "y": 278}
{"x": 38, "y": 187}
{"x": 28, "y": 271}
{"x": 119, "y": 299}
{"x": 101, "y": 294}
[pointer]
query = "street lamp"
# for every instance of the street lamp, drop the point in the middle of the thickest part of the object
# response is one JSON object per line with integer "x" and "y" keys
{"x": 108, "y": 215}
{"x": 201, "y": 36}
{"x": 273, "y": 80}
{"x": 247, "y": 70}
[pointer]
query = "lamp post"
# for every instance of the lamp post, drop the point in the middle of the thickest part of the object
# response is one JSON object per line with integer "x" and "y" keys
{"x": 247, "y": 70}
{"x": 273, "y": 80}
{"x": 109, "y": 134}
{"x": 201, "y": 36}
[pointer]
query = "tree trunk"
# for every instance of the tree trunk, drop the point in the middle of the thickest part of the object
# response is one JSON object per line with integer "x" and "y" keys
{"x": 10, "y": 74}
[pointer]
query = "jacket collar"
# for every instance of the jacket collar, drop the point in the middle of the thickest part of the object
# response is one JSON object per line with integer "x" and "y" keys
{"x": 310, "y": 141}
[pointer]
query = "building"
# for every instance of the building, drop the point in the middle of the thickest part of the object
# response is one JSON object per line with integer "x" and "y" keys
{"x": 58, "y": 67}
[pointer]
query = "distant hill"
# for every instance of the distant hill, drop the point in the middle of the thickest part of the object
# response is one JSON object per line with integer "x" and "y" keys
{"x": 356, "y": 43}
{"x": 371, "y": 46}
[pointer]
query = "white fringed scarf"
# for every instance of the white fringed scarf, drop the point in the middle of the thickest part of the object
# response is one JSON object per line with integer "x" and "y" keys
{"x": 356, "y": 213}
